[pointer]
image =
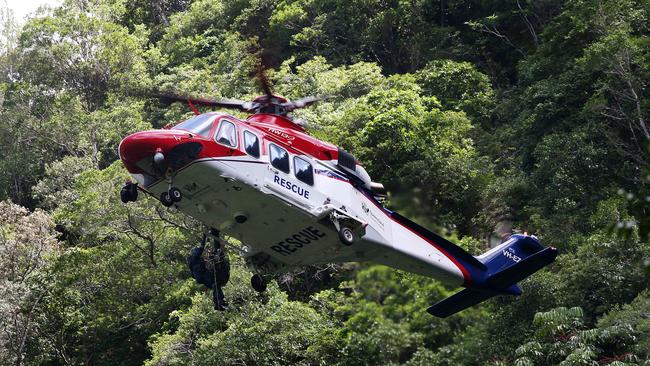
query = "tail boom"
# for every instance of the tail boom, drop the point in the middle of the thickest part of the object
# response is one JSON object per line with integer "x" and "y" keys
{"x": 495, "y": 272}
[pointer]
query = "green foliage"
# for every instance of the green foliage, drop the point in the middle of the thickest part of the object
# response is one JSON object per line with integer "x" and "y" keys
{"x": 121, "y": 277}
{"x": 561, "y": 338}
{"x": 82, "y": 54}
{"x": 638, "y": 205}
{"x": 569, "y": 190}
{"x": 619, "y": 276}
{"x": 400, "y": 36}
{"x": 459, "y": 86}
{"x": 28, "y": 245}
{"x": 474, "y": 115}
{"x": 634, "y": 317}
{"x": 255, "y": 329}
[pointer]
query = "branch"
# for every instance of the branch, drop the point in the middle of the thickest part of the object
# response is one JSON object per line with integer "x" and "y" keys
{"x": 529, "y": 25}
{"x": 495, "y": 32}
{"x": 170, "y": 222}
{"x": 149, "y": 253}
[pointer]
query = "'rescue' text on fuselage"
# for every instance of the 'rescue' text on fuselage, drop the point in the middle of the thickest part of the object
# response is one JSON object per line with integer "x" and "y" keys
{"x": 291, "y": 186}
{"x": 298, "y": 240}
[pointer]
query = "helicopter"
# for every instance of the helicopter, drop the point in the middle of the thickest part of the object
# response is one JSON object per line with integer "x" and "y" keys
{"x": 293, "y": 200}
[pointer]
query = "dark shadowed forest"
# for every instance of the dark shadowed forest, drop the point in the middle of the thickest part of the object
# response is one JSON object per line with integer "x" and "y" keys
{"x": 481, "y": 118}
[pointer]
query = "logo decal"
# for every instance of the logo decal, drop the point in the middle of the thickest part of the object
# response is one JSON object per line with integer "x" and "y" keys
{"x": 190, "y": 187}
{"x": 330, "y": 174}
{"x": 508, "y": 254}
{"x": 282, "y": 134}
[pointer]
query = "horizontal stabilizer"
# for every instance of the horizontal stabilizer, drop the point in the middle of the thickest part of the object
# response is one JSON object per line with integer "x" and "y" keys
{"x": 459, "y": 301}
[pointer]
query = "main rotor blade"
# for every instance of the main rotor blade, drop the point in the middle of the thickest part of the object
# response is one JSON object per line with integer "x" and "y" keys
{"x": 306, "y": 101}
{"x": 301, "y": 103}
{"x": 208, "y": 102}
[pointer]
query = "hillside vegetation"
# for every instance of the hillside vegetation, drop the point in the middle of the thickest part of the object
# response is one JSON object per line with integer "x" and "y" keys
{"x": 472, "y": 113}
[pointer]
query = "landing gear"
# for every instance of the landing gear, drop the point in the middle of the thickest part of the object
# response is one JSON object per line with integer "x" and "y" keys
{"x": 346, "y": 235}
{"x": 347, "y": 227}
{"x": 166, "y": 199}
{"x": 258, "y": 283}
{"x": 175, "y": 194}
{"x": 170, "y": 197}
{"x": 129, "y": 192}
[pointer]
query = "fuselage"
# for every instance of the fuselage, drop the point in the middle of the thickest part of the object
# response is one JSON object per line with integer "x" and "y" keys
{"x": 282, "y": 193}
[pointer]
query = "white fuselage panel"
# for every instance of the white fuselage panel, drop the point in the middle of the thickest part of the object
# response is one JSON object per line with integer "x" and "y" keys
{"x": 285, "y": 220}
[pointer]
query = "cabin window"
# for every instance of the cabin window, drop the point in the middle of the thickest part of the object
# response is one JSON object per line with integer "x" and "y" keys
{"x": 279, "y": 158}
{"x": 200, "y": 125}
{"x": 303, "y": 170}
{"x": 227, "y": 134}
{"x": 251, "y": 144}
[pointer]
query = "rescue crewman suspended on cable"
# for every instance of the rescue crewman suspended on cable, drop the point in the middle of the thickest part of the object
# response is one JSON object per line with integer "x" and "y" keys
{"x": 211, "y": 270}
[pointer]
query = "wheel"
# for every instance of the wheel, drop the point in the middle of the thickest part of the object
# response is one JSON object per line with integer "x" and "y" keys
{"x": 166, "y": 199}
{"x": 258, "y": 283}
{"x": 129, "y": 193}
{"x": 175, "y": 194}
{"x": 346, "y": 235}
{"x": 133, "y": 192}
{"x": 124, "y": 195}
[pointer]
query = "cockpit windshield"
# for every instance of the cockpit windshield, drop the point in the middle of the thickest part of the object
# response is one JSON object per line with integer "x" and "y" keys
{"x": 200, "y": 124}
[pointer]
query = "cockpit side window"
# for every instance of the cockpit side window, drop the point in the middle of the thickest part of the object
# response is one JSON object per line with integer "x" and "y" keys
{"x": 279, "y": 158}
{"x": 200, "y": 125}
{"x": 303, "y": 170}
{"x": 227, "y": 134}
{"x": 251, "y": 144}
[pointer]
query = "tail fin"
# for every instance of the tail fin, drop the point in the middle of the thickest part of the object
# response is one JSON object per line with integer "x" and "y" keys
{"x": 503, "y": 267}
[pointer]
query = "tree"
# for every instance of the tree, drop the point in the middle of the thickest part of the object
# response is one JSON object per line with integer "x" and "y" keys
{"x": 458, "y": 86}
{"x": 64, "y": 67}
{"x": 27, "y": 243}
{"x": 561, "y": 338}
{"x": 255, "y": 329}
{"x": 471, "y": 113}
{"x": 124, "y": 267}
{"x": 81, "y": 54}
{"x": 8, "y": 39}
{"x": 619, "y": 57}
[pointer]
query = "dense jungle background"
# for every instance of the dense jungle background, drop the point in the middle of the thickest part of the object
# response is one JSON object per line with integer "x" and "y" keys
{"x": 476, "y": 115}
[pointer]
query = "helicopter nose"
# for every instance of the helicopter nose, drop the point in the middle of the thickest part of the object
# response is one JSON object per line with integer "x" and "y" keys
{"x": 154, "y": 151}
{"x": 139, "y": 145}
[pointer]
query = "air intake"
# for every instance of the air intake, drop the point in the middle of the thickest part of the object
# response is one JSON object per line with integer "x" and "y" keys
{"x": 347, "y": 160}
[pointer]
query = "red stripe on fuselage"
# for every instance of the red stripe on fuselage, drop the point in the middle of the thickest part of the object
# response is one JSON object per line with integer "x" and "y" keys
{"x": 467, "y": 278}
{"x": 466, "y": 275}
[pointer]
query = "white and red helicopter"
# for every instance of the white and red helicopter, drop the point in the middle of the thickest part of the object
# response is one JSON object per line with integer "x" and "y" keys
{"x": 293, "y": 200}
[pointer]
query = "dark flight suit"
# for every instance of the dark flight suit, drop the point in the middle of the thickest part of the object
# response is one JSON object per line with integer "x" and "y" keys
{"x": 207, "y": 277}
